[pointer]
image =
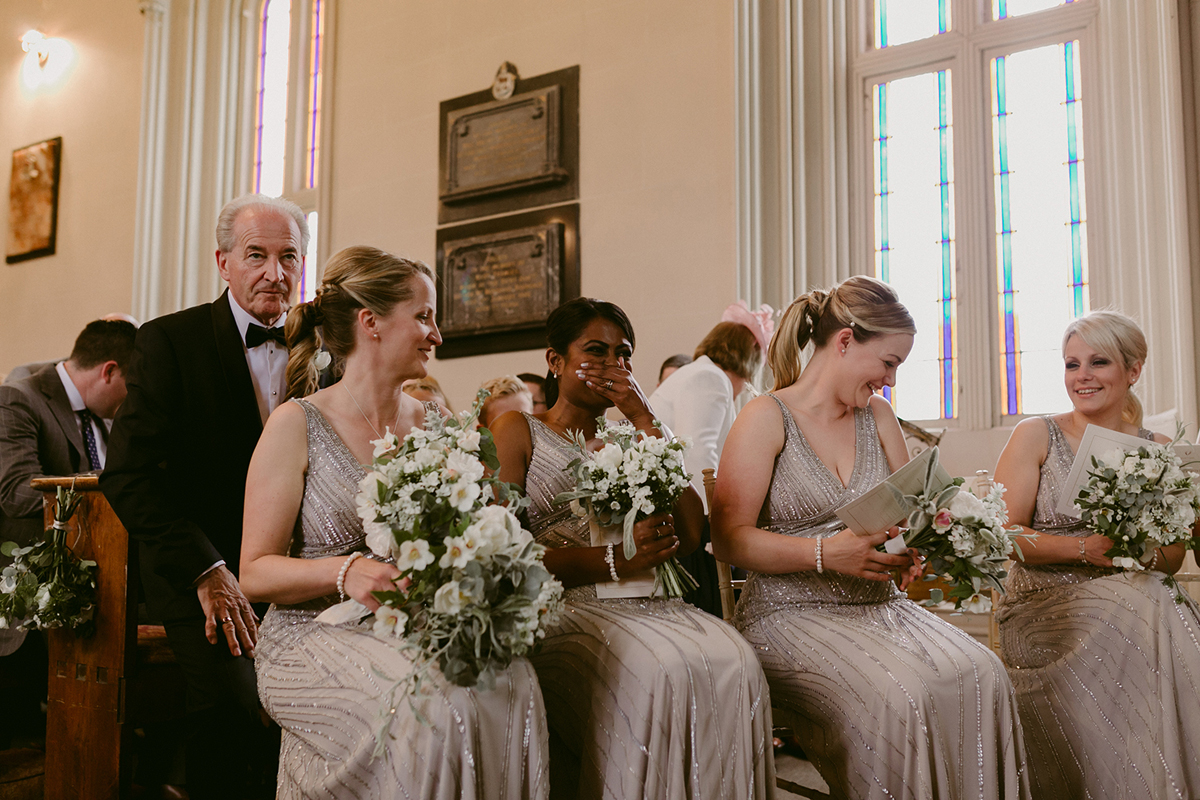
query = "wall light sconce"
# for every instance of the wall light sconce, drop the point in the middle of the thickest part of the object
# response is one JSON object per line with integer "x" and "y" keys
{"x": 47, "y": 59}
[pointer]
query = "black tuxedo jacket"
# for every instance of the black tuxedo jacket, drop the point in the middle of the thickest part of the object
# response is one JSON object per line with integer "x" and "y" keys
{"x": 39, "y": 436}
{"x": 179, "y": 451}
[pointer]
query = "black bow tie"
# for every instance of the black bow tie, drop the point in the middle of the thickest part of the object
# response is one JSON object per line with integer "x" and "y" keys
{"x": 257, "y": 334}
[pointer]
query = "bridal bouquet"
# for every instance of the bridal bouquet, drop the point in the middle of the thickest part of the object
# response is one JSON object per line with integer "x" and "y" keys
{"x": 473, "y": 592}
{"x": 963, "y": 538}
{"x": 632, "y": 477}
{"x": 1140, "y": 500}
{"x": 46, "y": 586}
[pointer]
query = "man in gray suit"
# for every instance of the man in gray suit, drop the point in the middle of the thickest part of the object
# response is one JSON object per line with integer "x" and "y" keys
{"x": 55, "y": 422}
{"x": 25, "y": 370}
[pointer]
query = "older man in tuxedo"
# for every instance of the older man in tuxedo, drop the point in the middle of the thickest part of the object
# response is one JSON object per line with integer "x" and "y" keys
{"x": 201, "y": 384}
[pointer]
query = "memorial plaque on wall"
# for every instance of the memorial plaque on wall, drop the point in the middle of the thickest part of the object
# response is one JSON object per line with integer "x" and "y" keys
{"x": 500, "y": 154}
{"x": 499, "y": 279}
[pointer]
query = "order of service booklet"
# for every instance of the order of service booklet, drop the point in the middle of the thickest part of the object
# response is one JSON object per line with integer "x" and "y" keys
{"x": 1098, "y": 442}
{"x": 878, "y": 508}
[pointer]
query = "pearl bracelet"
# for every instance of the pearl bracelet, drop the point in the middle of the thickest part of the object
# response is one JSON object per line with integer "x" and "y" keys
{"x": 1083, "y": 550}
{"x": 820, "y": 565}
{"x": 1154, "y": 561}
{"x": 611, "y": 559}
{"x": 341, "y": 581}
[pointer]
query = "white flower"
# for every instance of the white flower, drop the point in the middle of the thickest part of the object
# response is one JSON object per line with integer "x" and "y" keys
{"x": 977, "y": 604}
{"x": 321, "y": 359}
{"x": 8, "y": 584}
{"x": 459, "y": 551}
{"x": 42, "y": 598}
{"x": 388, "y": 443}
{"x": 469, "y": 440}
{"x": 463, "y": 466}
{"x": 609, "y": 457}
{"x": 390, "y": 622}
{"x": 413, "y": 554}
{"x": 463, "y": 495}
{"x": 1125, "y": 562}
{"x": 451, "y": 599}
{"x": 379, "y": 537}
{"x": 428, "y": 456}
{"x": 966, "y": 505}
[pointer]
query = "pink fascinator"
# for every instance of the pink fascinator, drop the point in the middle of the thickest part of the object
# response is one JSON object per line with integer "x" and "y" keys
{"x": 761, "y": 323}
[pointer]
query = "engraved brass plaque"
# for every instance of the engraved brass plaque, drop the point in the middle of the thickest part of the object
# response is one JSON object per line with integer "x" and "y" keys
{"x": 503, "y": 281}
{"x": 503, "y": 145}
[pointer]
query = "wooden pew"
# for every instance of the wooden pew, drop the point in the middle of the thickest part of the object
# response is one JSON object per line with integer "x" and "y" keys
{"x": 85, "y": 731}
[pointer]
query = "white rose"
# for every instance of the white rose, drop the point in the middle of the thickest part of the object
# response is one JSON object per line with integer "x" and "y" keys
{"x": 449, "y": 599}
{"x": 428, "y": 457}
{"x": 966, "y": 505}
{"x": 413, "y": 554}
{"x": 379, "y": 538}
{"x": 609, "y": 457}
{"x": 463, "y": 466}
{"x": 390, "y": 622}
{"x": 469, "y": 440}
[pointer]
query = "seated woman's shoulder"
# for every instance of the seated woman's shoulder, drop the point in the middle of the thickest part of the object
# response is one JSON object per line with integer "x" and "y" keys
{"x": 1032, "y": 432}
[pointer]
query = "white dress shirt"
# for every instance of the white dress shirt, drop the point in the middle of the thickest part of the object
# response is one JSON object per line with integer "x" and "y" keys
{"x": 696, "y": 401}
{"x": 77, "y": 405}
{"x": 267, "y": 362}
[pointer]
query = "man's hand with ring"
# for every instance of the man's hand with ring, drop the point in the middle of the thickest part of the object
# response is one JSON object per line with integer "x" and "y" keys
{"x": 227, "y": 612}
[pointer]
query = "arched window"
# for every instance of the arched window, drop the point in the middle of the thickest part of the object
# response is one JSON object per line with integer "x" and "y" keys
{"x": 288, "y": 99}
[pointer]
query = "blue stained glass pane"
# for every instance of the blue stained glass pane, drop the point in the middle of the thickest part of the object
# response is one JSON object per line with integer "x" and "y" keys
{"x": 914, "y": 233}
{"x": 901, "y": 21}
{"x": 1041, "y": 225}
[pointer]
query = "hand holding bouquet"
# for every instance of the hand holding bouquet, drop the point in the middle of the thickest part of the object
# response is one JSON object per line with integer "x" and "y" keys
{"x": 1140, "y": 500}
{"x": 963, "y": 538}
{"x": 630, "y": 478}
{"x": 478, "y": 595}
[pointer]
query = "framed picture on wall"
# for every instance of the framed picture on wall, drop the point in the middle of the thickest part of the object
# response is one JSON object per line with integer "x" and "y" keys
{"x": 33, "y": 201}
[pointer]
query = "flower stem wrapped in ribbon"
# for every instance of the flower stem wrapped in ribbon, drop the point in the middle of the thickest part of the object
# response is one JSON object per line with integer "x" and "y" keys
{"x": 1141, "y": 500}
{"x": 962, "y": 537}
{"x": 46, "y": 586}
{"x": 478, "y": 595}
{"x": 632, "y": 477}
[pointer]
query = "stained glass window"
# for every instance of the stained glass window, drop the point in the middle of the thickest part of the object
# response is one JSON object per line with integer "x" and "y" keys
{"x": 901, "y": 21}
{"x": 271, "y": 129}
{"x": 312, "y": 136}
{"x": 914, "y": 234}
{"x": 308, "y": 278}
{"x": 1001, "y": 9}
{"x": 1041, "y": 220}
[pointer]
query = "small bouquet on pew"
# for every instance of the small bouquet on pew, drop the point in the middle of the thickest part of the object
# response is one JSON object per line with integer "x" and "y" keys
{"x": 632, "y": 477}
{"x": 477, "y": 593}
{"x": 46, "y": 586}
{"x": 963, "y": 539}
{"x": 1141, "y": 500}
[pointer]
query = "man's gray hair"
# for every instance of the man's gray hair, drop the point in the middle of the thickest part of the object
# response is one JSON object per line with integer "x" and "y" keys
{"x": 229, "y": 213}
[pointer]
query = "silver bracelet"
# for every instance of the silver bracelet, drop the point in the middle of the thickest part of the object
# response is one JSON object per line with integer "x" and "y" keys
{"x": 611, "y": 559}
{"x": 820, "y": 565}
{"x": 341, "y": 581}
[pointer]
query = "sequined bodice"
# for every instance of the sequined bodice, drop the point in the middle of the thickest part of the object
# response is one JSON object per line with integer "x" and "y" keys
{"x": 328, "y": 524}
{"x": 802, "y": 500}
{"x": 551, "y": 525}
{"x": 1051, "y": 483}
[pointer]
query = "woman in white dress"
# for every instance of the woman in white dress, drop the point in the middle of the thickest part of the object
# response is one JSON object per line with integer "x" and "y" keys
{"x": 324, "y": 684}
{"x": 888, "y": 701}
{"x": 646, "y": 698}
{"x": 1106, "y": 663}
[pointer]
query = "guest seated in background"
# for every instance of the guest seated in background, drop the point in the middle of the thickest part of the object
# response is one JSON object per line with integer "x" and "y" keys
{"x": 507, "y": 393}
{"x": 645, "y": 698}
{"x": 427, "y": 390}
{"x": 54, "y": 422}
{"x": 326, "y": 684}
{"x": 697, "y": 401}
{"x": 887, "y": 699}
{"x": 1106, "y": 663}
{"x": 537, "y": 389}
{"x": 671, "y": 364}
{"x": 25, "y": 370}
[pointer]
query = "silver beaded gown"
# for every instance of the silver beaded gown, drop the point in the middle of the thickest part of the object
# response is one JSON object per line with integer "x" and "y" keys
{"x": 1106, "y": 666}
{"x": 888, "y": 700}
{"x": 324, "y": 684}
{"x": 650, "y": 699}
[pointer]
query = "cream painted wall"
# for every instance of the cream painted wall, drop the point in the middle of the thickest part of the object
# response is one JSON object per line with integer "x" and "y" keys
{"x": 657, "y": 119}
{"x": 45, "y": 302}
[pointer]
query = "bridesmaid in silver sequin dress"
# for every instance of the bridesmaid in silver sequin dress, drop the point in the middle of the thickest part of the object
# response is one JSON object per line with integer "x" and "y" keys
{"x": 324, "y": 684}
{"x": 650, "y": 699}
{"x": 888, "y": 701}
{"x": 1106, "y": 664}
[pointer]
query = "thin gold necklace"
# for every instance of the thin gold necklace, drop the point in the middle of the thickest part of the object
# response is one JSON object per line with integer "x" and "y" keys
{"x": 378, "y": 435}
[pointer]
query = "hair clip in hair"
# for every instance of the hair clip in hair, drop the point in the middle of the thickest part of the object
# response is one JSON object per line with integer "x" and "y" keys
{"x": 761, "y": 323}
{"x": 321, "y": 359}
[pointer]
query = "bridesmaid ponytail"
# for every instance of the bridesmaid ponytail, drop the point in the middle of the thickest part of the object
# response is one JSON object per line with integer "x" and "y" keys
{"x": 303, "y": 343}
{"x": 867, "y": 306}
{"x": 1118, "y": 337}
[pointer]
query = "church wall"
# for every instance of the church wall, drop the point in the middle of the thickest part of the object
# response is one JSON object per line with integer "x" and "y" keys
{"x": 657, "y": 120}
{"x": 95, "y": 108}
